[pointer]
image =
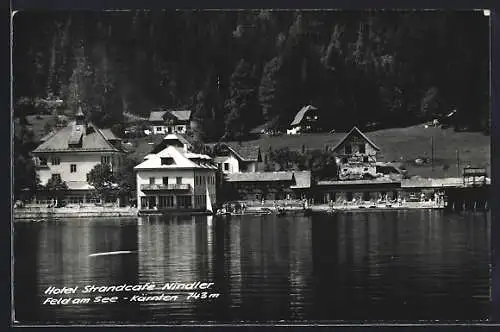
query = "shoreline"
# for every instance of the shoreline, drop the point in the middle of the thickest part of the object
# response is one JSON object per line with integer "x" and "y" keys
{"x": 114, "y": 212}
{"x": 64, "y": 212}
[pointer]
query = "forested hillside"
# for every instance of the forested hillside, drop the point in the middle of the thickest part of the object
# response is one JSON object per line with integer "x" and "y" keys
{"x": 240, "y": 69}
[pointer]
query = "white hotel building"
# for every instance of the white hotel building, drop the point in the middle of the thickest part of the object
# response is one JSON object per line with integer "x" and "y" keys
{"x": 174, "y": 178}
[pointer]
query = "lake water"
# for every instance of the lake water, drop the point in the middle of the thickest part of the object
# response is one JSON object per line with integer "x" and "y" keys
{"x": 392, "y": 265}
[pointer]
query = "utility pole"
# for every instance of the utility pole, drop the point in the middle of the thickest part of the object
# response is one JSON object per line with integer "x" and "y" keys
{"x": 458, "y": 164}
{"x": 432, "y": 154}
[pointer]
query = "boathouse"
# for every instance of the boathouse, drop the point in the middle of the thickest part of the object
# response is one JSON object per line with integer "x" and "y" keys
{"x": 343, "y": 191}
{"x": 356, "y": 156}
{"x": 258, "y": 186}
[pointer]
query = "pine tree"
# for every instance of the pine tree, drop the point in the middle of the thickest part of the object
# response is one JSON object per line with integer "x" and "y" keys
{"x": 241, "y": 106}
{"x": 269, "y": 89}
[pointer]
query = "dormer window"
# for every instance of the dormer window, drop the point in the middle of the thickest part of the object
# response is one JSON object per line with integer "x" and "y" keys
{"x": 167, "y": 161}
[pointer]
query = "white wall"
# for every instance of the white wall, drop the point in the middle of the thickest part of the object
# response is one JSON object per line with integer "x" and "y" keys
{"x": 84, "y": 162}
{"x": 234, "y": 165}
{"x": 208, "y": 180}
{"x": 188, "y": 177}
{"x": 162, "y": 129}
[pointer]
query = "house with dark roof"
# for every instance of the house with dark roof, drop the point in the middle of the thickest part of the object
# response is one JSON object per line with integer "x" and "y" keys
{"x": 170, "y": 121}
{"x": 236, "y": 158}
{"x": 258, "y": 186}
{"x": 72, "y": 152}
{"x": 306, "y": 120}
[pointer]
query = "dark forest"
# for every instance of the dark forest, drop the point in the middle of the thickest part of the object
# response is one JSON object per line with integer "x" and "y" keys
{"x": 240, "y": 69}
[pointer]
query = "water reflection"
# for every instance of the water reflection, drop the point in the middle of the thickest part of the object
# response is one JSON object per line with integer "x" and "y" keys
{"x": 403, "y": 265}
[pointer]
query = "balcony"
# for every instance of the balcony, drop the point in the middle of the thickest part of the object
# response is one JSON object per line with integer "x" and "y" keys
{"x": 165, "y": 187}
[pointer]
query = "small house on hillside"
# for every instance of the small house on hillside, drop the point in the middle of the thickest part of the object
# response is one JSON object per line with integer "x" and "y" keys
{"x": 170, "y": 121}
{"x": 306, "y": 120}
{"x": 356, "y": 156}
{"x": 234, "y": 158}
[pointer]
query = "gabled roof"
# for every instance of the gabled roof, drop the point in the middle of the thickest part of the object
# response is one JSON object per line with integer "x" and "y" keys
{"x": 180, "y": 160}
{"x": 246, "y": 153}
{"x": 260, "y": 177}
{"x": 93, "y": 141}
{"x": 168, "y": 140}
{"x": 182, "y": 115}
{"x": 79, "y": 112}
{"x": 300, "y": 114}
{"x": 47, "y": 136}
{"x": 108, "y": 134}
{"x": 157, "y": 115}
{"x": 302, "y": 179}
{"x": 243, "y": 152}
{"x": 353, "y": 131}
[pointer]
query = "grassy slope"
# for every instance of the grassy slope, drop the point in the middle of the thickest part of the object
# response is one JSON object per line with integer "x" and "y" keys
{"x": 404, "y": 145}
{"x": 397, "y": 144}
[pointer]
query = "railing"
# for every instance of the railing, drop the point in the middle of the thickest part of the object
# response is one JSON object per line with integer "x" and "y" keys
{"x": 165, "y": 186}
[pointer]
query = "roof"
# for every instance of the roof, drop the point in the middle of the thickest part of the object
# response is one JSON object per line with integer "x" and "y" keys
{"x": 170, "y": 137}
{"x": 94, "y": 141}
{"x": 182, "y": 115}
{"x": 178, "y": 137}
{"x": 300, "y": 114}
{"x": 108, "y": 134}
{"x": 47, "y": 136}
{"x": 79, "y": 111}
{"x": 157, "y": 115}
{"x": 302, "y": 179}
{"x": 260, "y": 177}
{"x": 180, "y": 160}
{"x": 242, "y": 152}
{"x": 78, "y": 185}
{"x": 353, "y": 131}
{"x": 376, "y": 181}
{"x": 418, "y": 182}
{"x": 245, "y": 152}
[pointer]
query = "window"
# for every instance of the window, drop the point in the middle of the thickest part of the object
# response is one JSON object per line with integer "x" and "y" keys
{"x": 365, "y": 169}
{"x": 167, "y": 161}
{"x": 56, "y": 177}
{"x": 43, "y": 161}
{"x": 344, "y": 160}
{"x": 72, "y": 168}
{"x": 105, "y": 160}
{"x": 55, "y": 161}
{"x": 365, "y": 159}
{"x": 348, "y": 149}
{"x": 151, "y": 180}
{"x": 361, "y": 148}
{"x": 226, "y": 166}
{"x": 165, "y": 180}
{"x": 178, "y": 180}
{"x": 159, "y": 129}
